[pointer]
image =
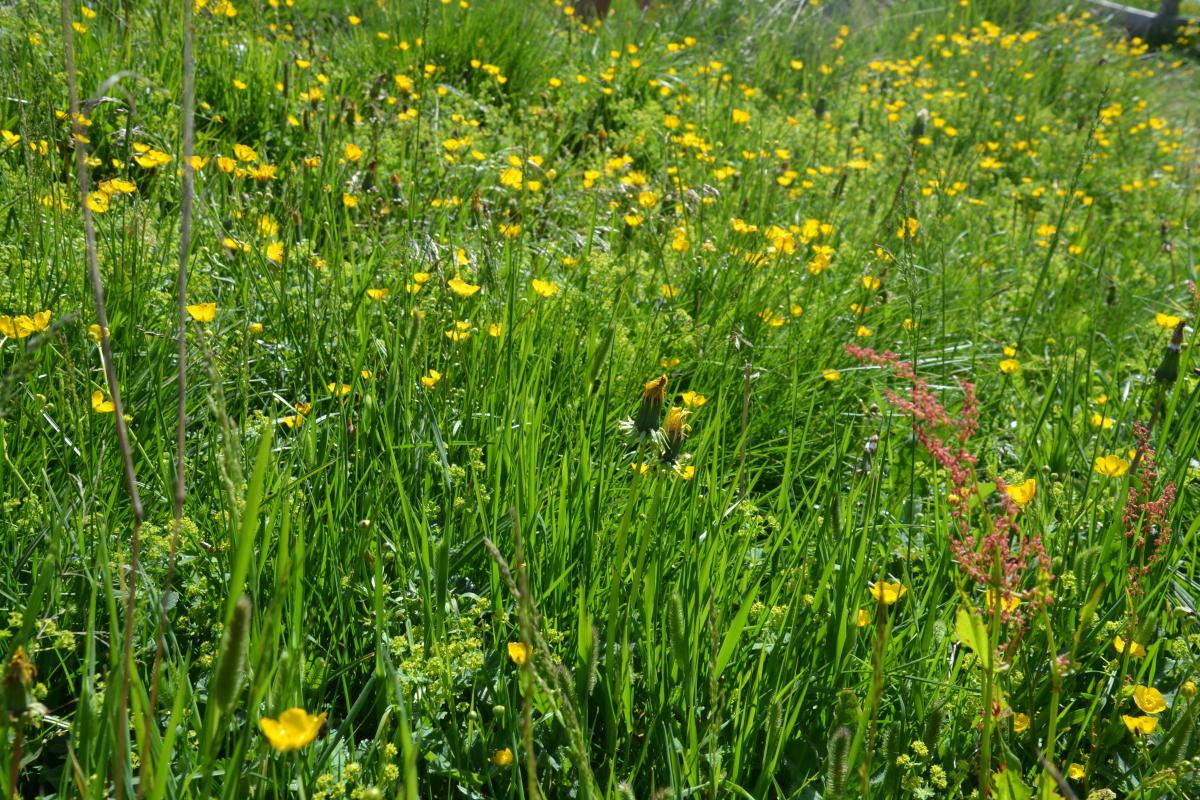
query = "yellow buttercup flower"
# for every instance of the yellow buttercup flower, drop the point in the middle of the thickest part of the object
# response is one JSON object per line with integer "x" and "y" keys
{"x": 831, "y": 375}
{"x": 1022, "y": 493}
{"x": 378, "y": 294}
{"x": 1166, "y": 321}
{"x": 353, "y": 152}
{"x": 1009, "y": 366}
{"x": 545, "y": 288}
{"x": 518, "y": 652}
{"x": 908, "y": 229}
{"x": 97, "y": 202}
{"x": 1136, "y": 650}
{"x": 862, "y": 619}
{"x": 431, "y": 380}
{"x": 100, "y": 405}
{"x": 1076, "y": 772}
{"x": 1008, "y": 604}
{"x": 152, "y": 159}
{"x": 888, "y": 593}
{"x": 502, "y": 757}
{"x": 294, "y": 729}
{"x": 338, "y": 389}
{"x": 1111, "y": 466}
{"x": 1021, "y": 722}
{"x": 254, "y": 328}
{"x": 495, "y": 330}
{"x": 461, "y": 287}
{"x": 23, "y": 326}
{"x": 1101, "y": 421}
{"x": 1149, "y": 699}
{"x": 1142, "y": 725}
{"x": 693, "y": 400}
{"x": 203, "y": 312}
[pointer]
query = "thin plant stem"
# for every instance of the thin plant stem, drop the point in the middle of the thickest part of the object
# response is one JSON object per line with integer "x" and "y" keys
{"x": 110, "y": 373}
{"x": 185, "y": 238}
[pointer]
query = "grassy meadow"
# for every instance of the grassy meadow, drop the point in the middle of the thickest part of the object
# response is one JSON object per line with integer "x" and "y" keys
{"x": 476, "y": 399}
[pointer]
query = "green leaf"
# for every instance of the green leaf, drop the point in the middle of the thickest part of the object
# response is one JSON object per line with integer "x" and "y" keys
{"x": 1006, "y": 785}
{"x": 735, "y": 630}
{"x": 972, "y": 632}
{"x": 244, "y": 547}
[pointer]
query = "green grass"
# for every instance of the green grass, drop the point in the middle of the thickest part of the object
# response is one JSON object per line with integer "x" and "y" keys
{"x": 723, "y": 193}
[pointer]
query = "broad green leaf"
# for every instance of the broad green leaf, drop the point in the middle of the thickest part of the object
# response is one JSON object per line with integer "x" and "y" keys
{"x": 972, "y": 632}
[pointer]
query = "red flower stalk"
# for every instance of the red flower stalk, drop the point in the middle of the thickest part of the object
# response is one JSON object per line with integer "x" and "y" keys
{"x": 1145, "y": 516}
{"x": 999, "y": 559}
